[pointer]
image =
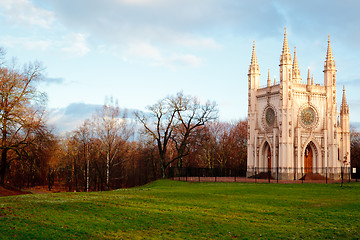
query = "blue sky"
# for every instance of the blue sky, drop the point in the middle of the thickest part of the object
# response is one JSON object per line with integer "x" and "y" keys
{"x": 139, "y": 51}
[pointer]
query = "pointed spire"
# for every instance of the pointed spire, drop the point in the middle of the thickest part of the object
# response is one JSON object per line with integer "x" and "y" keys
{"x": 254, "y": 67}
{"x": 329, "y": 62}
{"x": 344, "y": 108}
{"x": 285, "y": 57}
{"x": 308, "y": 77}
{"x": 269, "y": 79}
{"x": 344, "y": 97}
{"x": 312, "y": 79}
{"x": 296, "y": 70}
{"x": 274, "y": 80}
{"x": 253, "y": 57}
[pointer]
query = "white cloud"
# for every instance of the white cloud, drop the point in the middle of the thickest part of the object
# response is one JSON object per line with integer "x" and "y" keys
{"x": 153, "y": 56}
{"x": 27, "y": 43}
{"x": 24, "y": 12}
{"x": 197, "y": 42}
{"x": 144, "y": 50}
{"x": 183, "y": 60}
{"x": 50, "y": 80}
{"x": 72, "y": 116}
{"x": 168, "y": 25}
{"x": 77, "y": 45}
{"x": 137, "y": 2}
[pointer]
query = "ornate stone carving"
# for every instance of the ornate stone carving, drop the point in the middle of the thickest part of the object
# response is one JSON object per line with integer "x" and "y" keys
{"x": 308, "y": 116}
{"x": 269, "y": 117}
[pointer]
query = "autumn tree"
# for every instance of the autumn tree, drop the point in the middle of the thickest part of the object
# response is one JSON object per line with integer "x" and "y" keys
{"x": 355, "y": 147}
{"x": 35, "y": 157}
{"x": 84, "y": 137}
{"x": 21, "y": 111}
{"x": 223, "y": 145}
{"x": 113, "y": 131}
{"x": 172, "y": 121}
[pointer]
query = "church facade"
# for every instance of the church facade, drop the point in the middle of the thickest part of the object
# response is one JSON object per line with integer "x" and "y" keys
{"x": 294, "y": 127}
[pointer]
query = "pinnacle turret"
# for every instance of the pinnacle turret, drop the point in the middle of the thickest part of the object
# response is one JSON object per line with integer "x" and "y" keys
{"x": 308, "y": 77}
{"x": 344, "y": 108}
{"x": 269, "y": 79}
{"x": 296, "y": 70}
{"x": 254, "y": 67}
{"x": 329, "y": 62}
{"x": 285, "y": 58}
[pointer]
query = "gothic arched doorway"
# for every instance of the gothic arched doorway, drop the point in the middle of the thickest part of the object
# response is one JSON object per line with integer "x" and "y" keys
{"x": 268, "y": 156}
{"x": 269, "y": 159}
{"x": 308, "y": 159}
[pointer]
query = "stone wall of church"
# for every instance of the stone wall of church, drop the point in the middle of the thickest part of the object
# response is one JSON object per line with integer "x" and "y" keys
{"x": 292, "y": 127}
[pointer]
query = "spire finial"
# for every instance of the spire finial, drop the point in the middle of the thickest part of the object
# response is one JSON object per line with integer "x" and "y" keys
{"x": 308, "y": 77}
{"x": 253, "y": 58}
{"x": 344, "y": 108}
{"x": 329, "y": 62}
{"x": 296, "y": 70}
{"x": 269, "y": 79}
{"x": 254, "y": 67}
{"x": 285, "y": 56}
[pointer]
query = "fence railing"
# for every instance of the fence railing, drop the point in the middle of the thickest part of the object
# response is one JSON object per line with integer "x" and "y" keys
{"x": 277, "y": 175}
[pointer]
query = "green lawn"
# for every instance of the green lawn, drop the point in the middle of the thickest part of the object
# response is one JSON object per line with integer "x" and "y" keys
{"x": 177, "y": 210}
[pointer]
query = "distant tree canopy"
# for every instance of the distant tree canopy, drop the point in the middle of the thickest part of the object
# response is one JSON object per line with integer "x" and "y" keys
{"x": 101, "y": 153}
{"x": 177, "y": 131}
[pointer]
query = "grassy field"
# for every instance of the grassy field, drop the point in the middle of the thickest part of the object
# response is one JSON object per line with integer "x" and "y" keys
{"x": 178, "y": 210}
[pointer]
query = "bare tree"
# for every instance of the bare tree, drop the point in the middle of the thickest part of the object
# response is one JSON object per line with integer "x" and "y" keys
{"x": 191, "y": 114}
{"x": 84, "y": 135}
{"x": 112, "y": 130}
{"x": 160, "y": 130}
{"x": 172, "y": 121}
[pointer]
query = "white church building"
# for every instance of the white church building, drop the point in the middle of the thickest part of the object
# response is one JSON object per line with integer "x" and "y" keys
{"x": 294, "y": 127}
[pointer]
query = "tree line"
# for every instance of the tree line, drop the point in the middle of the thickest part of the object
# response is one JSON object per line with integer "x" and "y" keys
{"x": 110, "y": 150}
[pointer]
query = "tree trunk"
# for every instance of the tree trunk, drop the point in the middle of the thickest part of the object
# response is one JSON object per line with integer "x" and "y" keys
{"x": 162, "y": 164}
{"x": 87, "y": 174}
{"x": 87, "y": 167}
{"x": 163, "y": 167}
{"x": 107, "y": 170}
{"x": 3, "y": 163}
{"x": 3, "y": 166}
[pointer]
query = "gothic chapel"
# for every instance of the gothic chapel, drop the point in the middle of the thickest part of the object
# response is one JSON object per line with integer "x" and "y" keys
{"x": 293, "y": 127}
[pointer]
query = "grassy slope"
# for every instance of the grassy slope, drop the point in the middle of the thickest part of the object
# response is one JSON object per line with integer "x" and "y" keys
{"x": 168, "y": 210}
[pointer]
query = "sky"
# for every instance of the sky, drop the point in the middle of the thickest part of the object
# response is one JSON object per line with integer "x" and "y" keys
{"x": 140, "y": 51}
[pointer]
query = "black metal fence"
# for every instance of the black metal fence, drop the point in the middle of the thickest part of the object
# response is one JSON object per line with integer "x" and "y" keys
{"x": 277, "y": 175}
